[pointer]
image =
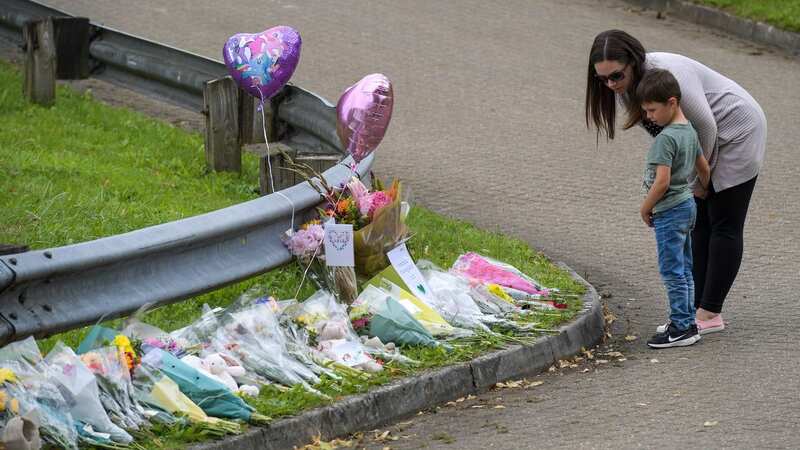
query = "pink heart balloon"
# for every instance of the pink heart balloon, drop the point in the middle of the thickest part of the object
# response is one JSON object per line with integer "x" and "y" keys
{"x": 363, "y": 113}
{"x": 262, "y": 63}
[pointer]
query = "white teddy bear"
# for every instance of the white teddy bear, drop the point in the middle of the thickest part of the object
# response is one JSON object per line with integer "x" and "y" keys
{"x": 216, "y": 367}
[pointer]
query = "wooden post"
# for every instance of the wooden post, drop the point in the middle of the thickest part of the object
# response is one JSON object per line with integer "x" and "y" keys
{"x": 39, "y": 85}
{"x": 220, "y": 105}
{"x": 72, "y": 47}
{"x": 281, "y": 177}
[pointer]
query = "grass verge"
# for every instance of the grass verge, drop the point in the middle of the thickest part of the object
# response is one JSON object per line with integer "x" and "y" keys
{"x": 82, "y": 170}
{"x": 780, "y": 13}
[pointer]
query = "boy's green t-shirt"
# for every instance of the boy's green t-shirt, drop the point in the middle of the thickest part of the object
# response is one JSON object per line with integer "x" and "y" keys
{"x": 676, "y": 146}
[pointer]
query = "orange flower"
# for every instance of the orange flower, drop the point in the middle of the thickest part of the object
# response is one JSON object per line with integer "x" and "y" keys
{"x": 343, "y": 205}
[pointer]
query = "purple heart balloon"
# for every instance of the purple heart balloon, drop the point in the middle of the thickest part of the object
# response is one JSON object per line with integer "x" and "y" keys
{"x": 262, "y": 63}
{"x": 363, "y": 113}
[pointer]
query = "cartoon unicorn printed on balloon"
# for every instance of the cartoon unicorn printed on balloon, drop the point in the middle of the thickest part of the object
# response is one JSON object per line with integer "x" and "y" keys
{"x": 262, "y": 63}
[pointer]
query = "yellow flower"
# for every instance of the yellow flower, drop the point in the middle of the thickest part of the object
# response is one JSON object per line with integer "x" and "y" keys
{"x": 499, "y": 292}
{"x": 14, "y": 406}
{"x": 3, "y": 397}
{"x": 122, "y": 341}
{"x": 8, "y": 375}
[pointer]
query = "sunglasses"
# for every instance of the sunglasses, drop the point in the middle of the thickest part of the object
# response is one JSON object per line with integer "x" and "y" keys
{"x": 616, "y": 77}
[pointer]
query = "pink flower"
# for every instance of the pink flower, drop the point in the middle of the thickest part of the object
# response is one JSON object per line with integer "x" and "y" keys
{"x": 378, "y": 199}
{"x": 361, "y": 196}
{"x": 304, "y": 243}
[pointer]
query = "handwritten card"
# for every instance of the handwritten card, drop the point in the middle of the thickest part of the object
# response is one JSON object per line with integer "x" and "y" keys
{"x": 411, "y": 276}
{"x": 339, "y": 245}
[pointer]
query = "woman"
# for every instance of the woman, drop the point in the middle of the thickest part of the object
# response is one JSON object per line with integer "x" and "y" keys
{"x": 732, "y": 130}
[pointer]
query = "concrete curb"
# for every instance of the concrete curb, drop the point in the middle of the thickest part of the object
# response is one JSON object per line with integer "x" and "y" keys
{"x": 715, "y": 18}
{"x": 405, "y": 397}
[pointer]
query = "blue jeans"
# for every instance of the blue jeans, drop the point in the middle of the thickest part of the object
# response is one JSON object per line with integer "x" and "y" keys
{"x": 674, "y": 240}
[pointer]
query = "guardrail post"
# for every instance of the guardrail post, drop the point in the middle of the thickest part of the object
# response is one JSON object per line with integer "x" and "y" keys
{"x": 281, "y": 177}
{"x": 72, "y": 47}
{"x": 220, "y": 106}
{"x": 39, "y": 85}
{"x": 250, "y": 124}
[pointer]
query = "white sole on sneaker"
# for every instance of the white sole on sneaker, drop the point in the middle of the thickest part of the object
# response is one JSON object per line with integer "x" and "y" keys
{"x": 681, "y": 343}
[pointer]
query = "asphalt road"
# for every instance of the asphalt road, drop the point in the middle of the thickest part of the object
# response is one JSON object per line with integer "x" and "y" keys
{"x": 488, "y": 127}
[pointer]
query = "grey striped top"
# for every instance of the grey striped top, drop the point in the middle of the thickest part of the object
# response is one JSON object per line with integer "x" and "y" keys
{"x": 730, "y": 124}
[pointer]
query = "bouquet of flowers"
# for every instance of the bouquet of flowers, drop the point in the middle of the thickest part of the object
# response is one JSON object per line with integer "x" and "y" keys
{"x": 378, "y": 219}
{"x": 154, "y": 388}
{"x": 336, "y": 339}
{"x": 214, "y": 397}
{"x": 19, "y": 419}
{"x": 33, "y": 391}
{"x": 109, "y": 366}
{"x": 79, "y": 388}
{"x": 307, "y": 245}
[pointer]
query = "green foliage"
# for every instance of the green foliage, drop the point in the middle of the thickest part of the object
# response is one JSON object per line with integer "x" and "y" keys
{"x": 781, "y": 13}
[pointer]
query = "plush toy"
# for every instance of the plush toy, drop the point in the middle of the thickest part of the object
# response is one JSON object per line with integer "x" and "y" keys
{"x": 215, "y": 366}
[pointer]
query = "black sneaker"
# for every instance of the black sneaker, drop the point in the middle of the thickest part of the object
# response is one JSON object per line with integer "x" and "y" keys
{"x": 673, "y": 337}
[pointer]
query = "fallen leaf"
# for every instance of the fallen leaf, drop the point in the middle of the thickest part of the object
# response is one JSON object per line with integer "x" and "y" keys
{"x": 622, "y": 359}
{"x": 459, "y": 400}
{"x": 601, "y": 361}
{"x": 478, "y": 406}
{"x": 631, "y": 338}
{"x": 499, "y": 407}
{"x": 534, "y": 384}
{"x": 613, "y": 354}
{"x": 451, "y": 404}
{"x": 710, "y": 423}
{"x": 654, "y": 361}
{"x": 471, "y": 397}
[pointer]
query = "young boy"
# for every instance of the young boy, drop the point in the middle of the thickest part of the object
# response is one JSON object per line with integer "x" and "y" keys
{"x": 669, "y": 206}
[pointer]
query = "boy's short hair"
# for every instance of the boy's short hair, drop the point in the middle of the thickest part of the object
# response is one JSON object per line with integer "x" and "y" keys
{"x": 658, "y": 85}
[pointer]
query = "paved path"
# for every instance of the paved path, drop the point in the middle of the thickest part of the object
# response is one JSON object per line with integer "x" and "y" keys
{"x": 488, "y": 127}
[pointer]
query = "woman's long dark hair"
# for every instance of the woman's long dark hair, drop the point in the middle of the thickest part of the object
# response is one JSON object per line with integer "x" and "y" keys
{"x": 613, "y": 45}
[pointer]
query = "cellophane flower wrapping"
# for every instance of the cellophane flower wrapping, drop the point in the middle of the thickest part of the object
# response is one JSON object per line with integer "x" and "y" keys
{"x": 450, "y": 298}
{"x": 154, "y": 388}
{"x": 79, "y": 388}
{"x": 252, "y": 333}
{"x": 489, "y": 271}
{"x": 336, "y": 338}
{"x": 116, "y": 387}
{"x": 385, "y": 230}
{"x": 306, "y": 244}
{"x": 212, "y": 396}
{"x": 36, "y": 393}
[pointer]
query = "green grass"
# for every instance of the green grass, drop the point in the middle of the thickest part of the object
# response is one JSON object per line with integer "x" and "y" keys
{"x": 780, "y": 13}
{"x": 82, "y": 170}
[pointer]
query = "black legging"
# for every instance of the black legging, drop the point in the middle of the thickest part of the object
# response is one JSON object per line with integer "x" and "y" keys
{"x": 717, "y": 243}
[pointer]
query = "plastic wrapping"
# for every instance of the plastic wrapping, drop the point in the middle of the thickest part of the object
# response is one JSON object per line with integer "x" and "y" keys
{"x": 385, "y": 231}
{"x": 252, "y": 334}
{"x": 489, "y": 271}
{"x": 79, "y": 388}
{"x": 156, "y": 389}
{"x": 36, "y": 393}
{"x": 212, "y": 396}
{"x": 336, "y": 338}
{"x": 116, "y": 389}
{"x": 450, "y": 297}
{"x": 25, "y": 350}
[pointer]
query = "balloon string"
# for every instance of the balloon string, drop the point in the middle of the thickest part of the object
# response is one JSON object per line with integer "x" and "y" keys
{"x": 305, "y": 272}
{"x": 269, "y": 159}
{"x": 266, "y": 141}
